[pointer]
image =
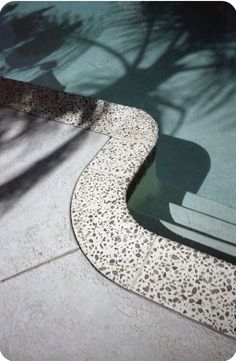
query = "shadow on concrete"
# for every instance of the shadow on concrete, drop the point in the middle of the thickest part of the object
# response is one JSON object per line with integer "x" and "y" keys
{"x": 14, "y": 132}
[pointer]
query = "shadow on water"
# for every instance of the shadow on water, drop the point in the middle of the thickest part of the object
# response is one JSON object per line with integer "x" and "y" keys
{"x": 31, "y": 36}
{"x": 169, "y": 25}
{"x": 40, "y": 40}
{"x": 178, "y": 30}
{"x": 180, "y": 167}
{"x": 184, "y": 162}
{"x": 47, "y": 76}
{"x": 172, "y": 57}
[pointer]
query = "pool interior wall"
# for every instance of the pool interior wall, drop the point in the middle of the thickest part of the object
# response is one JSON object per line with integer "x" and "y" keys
{"x": 174, "y": 60}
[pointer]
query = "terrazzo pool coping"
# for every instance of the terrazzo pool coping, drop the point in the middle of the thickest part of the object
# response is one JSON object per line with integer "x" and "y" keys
{"x": 181, "y": 278}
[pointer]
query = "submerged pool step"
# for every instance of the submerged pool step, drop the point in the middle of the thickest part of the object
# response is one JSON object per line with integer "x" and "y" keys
{"x": 192, "y": 219}
{"x": 203, "y": 223}
{"x": 182, "y": 232}
{"x": 197, "y": 219}
{"x": 195, "y": 202}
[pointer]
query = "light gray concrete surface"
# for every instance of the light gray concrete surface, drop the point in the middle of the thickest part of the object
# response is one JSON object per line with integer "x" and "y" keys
{"x": 40, "y": 163}
{"x": 67, "y": 311}
{"x": 63, "y": 309}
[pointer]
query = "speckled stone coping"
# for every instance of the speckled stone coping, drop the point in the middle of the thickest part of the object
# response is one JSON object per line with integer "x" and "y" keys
{"x": 193, "y": 283}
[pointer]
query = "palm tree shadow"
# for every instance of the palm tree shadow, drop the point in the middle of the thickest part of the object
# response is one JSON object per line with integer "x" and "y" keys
{"x": 47, "y": 76}
{"x": 19, "y": 128}
{"x": 28, "y": 44}
{"x": 180, "y": 30}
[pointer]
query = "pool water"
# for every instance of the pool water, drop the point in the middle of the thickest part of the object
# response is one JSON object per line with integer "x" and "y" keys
{"x": 174, "y": 60}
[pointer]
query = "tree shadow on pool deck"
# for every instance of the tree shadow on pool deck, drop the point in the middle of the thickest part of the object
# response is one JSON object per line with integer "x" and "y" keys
{"x": 16, "y": 128}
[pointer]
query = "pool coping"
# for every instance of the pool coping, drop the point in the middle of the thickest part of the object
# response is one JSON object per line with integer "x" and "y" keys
{"x": 195, "y": 284}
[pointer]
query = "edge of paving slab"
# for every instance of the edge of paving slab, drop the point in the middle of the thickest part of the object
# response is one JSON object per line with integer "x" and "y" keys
{"x": 186, "y": 280}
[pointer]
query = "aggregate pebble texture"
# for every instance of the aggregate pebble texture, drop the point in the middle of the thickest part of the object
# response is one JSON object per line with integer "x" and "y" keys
{"x": 193, "y": 283}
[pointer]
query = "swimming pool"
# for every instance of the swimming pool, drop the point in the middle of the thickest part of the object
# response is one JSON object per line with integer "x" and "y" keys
{"x": 175, "y": 61}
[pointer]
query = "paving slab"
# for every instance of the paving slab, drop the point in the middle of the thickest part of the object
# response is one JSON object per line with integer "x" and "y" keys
{"x": 67, "y": 311}
{"x": 40, "y": 163}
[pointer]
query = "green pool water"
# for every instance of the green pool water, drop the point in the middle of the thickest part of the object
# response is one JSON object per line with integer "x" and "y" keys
{"x": 174, "y": 60}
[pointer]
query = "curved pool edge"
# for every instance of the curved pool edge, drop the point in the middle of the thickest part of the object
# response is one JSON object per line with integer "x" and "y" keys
{"x": 195, "y": 284}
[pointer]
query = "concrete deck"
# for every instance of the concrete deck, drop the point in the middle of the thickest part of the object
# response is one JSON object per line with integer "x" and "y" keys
{"x": 40, "y": 163}
{"x": 66, "y": 311}
{"x": 54, "y": 304}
